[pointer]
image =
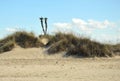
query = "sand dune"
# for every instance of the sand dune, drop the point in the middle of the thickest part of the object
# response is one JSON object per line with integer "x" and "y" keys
{"x": 33, "y": 64}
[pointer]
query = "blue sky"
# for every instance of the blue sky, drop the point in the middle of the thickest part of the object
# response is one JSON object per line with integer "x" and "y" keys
{"x": 98, "y": 19}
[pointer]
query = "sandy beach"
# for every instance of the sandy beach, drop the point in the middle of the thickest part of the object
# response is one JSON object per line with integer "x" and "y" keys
{"x": 33, "y": 64}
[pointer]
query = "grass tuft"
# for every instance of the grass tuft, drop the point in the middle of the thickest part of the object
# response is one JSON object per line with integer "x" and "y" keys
{"x": 20, "y": 38}
{"x": 75, "y": 46}
{"x": 8, "y": 46}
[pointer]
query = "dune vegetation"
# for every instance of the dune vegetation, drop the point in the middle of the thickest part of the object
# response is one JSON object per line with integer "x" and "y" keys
{"x": 21, "y": 38}
{"x": 71, "y": 44}
{"x": 78, "y": 46}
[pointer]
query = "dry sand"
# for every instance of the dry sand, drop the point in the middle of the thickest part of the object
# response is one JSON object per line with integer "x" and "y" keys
{"x": 34, "y": 64}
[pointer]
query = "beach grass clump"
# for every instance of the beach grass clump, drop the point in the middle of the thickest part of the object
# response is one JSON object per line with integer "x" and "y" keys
{"x": 116, "y": 49}
{"x": 91, "y": 49}
{"x": 26, "y": 40}
{"x": 78, "y": 46}
{"x": 61, "y": 42}
{"x": 8, "y": 46}
{"x": 59, "y": 46}
{"x": 21, "y": 38}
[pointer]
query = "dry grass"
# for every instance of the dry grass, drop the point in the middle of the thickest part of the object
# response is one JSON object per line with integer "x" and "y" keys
{"x": 8, "y": 46}
{"x": 73, "y": 45}
{"x": 116, "y": 49}
{"x": 26, "y": 40}
{"x": 76, "y": 46}
{"x": 21, "y": 38}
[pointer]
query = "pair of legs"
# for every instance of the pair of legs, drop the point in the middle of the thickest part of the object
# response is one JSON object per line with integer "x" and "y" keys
{"x": 44, "y": 28}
